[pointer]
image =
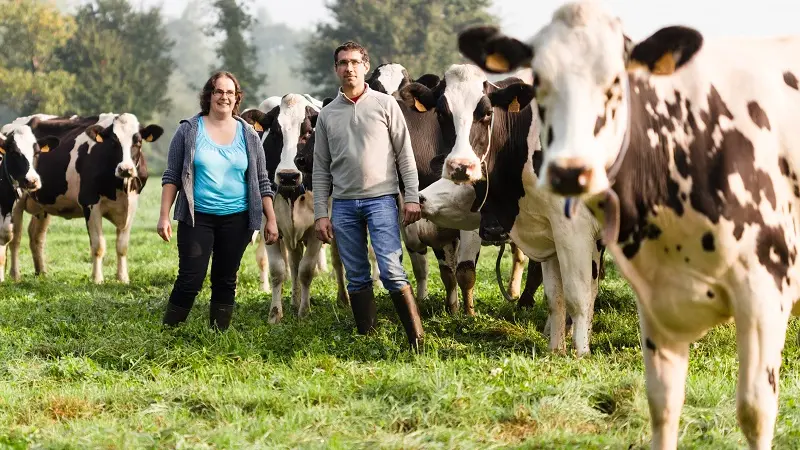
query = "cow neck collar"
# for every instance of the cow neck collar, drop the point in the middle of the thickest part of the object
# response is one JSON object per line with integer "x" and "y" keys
{"x": 6, "y": 176}
{"x": 483, "y": 160}
{"x": 613, "y": 171}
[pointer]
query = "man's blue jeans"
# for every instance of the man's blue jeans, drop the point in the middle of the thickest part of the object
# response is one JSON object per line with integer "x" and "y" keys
{"x": 351, "y": 219}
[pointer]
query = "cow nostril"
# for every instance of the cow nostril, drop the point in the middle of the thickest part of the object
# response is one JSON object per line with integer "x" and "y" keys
{"x": 569, "y": 180}
{"x": 421, "y": 199}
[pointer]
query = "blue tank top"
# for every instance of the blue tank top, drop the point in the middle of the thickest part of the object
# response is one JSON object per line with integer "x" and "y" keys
{"x": 220, "y": 186}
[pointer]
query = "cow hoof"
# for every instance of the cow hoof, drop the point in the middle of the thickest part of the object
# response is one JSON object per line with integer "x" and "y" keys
{"x": 303, "y": 312}
{"x": 275, "y": 315}
{"x": 525, "y": 300}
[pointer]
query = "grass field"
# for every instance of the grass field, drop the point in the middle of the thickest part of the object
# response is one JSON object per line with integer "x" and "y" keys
{"x": 85, "y": 366}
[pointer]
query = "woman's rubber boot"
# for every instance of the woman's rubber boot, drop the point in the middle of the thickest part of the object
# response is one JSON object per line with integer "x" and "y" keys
{"x": 175, "y": 314}
{"x": 219, "y": 316}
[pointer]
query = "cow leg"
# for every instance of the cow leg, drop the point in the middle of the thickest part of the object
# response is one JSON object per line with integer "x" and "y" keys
{"x": 295, "y": 256}
{"x": 373, "y": 262}
{"x": 469, "y": 247}
{"x": 517, "y": 267}
{"x": 94, "y": 224}
{"x": 3, "y": 249}
{"x": 665, "y": 365}
{"x": 557, "y": 316}
{"x": 419, "y": 263}
{"x": 16, "y": 239}
{"x": 446, "y": 257}
{"x": 760, "y": 337}
{"x": 532, "y": 282}
{"x": 338, "y": 270}
{"x": 123, "y": 240}
{"x": 37, "y": 235}
{"x": 262, "y": 260}
{"x": 575, "y": 260}
{"x": 322, "y": 263}
{"x": 277, "y": 275}
{"x": 306, "y": 272}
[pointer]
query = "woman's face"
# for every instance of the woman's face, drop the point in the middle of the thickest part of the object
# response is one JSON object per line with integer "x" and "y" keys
{"x": 223, "y": 97}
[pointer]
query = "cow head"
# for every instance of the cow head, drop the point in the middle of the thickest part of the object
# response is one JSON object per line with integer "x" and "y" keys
{"x": 121, "y": 140}
{"x": 388, "y": 78}
{"x": 18, "y": 150}
{"x": 581, "y": 63}
{"x": 450, "y": 205}
{"x": 289, "y": 126}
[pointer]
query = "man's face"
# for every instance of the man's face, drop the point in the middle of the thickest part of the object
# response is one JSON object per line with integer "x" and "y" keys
{"x": 351, "y": 68}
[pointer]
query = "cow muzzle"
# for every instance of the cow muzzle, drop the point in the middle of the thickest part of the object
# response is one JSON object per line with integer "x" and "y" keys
{"x": 461, "y": 170}
{"x": 31, "y": 183}
{"x": 569, "y": 178}
{"x": 289, "y": 179}
{"x": 126, "y": 170}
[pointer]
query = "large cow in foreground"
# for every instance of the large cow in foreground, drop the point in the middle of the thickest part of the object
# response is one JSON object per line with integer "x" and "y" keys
{"x": 493, "y": 141}
{"x": 289, "y": 125}
{"x": 98, "y": 170}
{"x": 18, "y": 150}
{"x": 688, "y": 153}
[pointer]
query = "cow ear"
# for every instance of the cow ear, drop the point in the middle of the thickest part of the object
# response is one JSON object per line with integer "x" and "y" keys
{"x": 418, "y": 97}
{"x": 437, "y": 163}
{"x": 48, "y": 143}
{"x": 312, "y": 115}
{"x": 665, "y": 51}
{"x": 429, "y": 80}
{"x": 512, "y": 98}
{"x": 94, "y": 132}
{"x": 493, "y": 51}
{"x": 2, "y": 145}
{"x": 326, "y": 101}
{"x": 151, "y": 133}
{"x": 258, "y": 119}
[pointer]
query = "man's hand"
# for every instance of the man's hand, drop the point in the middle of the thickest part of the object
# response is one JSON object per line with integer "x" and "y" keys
{"x": 411, "y": 213}
{"x": 271, "y": 231}
{"x": 324, "y": 229}
{"x": 164, "y": 228}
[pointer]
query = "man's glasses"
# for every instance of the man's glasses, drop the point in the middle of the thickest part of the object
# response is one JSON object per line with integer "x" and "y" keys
{"x": 220, "y": 93}
{"x": 342, "y": 63}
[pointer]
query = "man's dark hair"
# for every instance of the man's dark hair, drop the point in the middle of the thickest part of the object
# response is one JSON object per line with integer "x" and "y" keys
{"x": 208, "y": 90}
{"x": 351, "y": 45}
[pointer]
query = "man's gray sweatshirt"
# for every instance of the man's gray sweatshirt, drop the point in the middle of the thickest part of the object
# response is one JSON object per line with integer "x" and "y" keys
{"x": 359, "y": 148}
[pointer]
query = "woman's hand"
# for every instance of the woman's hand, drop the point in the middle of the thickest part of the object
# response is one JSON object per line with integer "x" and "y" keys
{"x": 271, "y": 231}
{"x": 164, "y": 228}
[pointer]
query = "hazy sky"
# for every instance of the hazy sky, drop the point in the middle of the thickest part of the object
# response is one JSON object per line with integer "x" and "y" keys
{"x": 521, "y": 18}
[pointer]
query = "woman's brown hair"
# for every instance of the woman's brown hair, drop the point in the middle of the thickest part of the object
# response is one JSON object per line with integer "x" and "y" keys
{"x": 208, "y": 91}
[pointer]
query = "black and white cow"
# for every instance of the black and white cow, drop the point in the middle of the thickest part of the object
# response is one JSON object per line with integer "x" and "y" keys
{"x": 502, "y": 141}
{"x": 290, "y": 125}
{"x": 98, "y": 170}
{"x": 18, "y": 150}
{"x": 687, "y": 152}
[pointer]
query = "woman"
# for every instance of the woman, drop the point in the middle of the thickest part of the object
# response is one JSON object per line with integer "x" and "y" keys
{"x": 216, "y": 167}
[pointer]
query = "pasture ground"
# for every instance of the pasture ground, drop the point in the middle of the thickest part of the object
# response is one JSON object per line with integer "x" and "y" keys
{"x": 84, "y": 366}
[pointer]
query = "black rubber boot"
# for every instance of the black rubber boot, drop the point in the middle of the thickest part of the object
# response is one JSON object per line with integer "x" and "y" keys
{"x": 219, "y": 316}
{"x": 364, "y": 309}
{"x": 175, "y": 314}
{"x": 406, "y": 307}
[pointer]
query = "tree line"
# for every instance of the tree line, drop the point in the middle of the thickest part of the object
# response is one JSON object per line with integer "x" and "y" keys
{"x": 69, "y": 57}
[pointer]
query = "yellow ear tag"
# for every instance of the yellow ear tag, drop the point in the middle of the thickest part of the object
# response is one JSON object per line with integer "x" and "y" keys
{"x": 2, "y": 151}
{"x": 149, "y": 138}
{"x": 420, "y": 107}
{"x": 45, "y": 149}
{"x": 497, "y": 63}
{"x": 258, "y": 127}
{"x": 665, "y": 65}
{"x": 98, "y": 138}
{"x": 634, "y": 65}
{"x": 514, "y": 105}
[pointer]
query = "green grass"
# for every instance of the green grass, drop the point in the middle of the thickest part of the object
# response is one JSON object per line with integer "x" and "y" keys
{"x": 85, "y": 366}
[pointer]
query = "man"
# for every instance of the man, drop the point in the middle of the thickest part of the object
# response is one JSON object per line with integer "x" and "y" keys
{"x": 361, "y": 143}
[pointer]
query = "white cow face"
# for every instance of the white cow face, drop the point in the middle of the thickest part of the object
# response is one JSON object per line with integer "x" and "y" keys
{"x": 449, "y": 205}
{"x": 581, "y": 62}
{"x": 19, "y": 149}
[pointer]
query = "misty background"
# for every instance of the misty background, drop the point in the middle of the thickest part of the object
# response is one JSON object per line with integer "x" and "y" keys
{"x": 150, "y": 57}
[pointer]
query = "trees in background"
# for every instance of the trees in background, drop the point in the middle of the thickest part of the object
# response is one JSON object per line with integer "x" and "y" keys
{"x": 419, "y": 34}
{"x": 236, "y": 53}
